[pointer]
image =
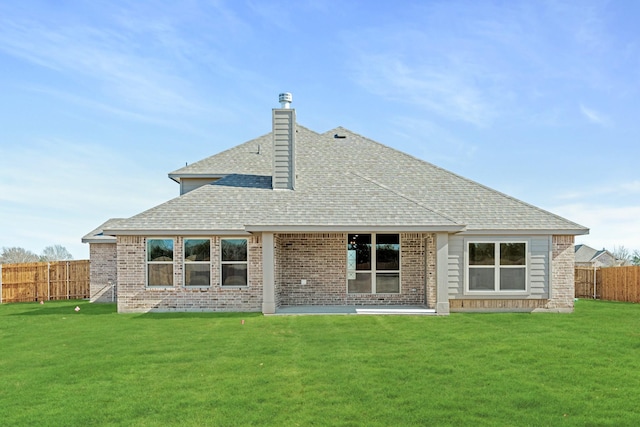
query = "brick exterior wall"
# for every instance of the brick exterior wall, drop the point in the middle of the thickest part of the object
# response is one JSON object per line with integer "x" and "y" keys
{"x": 321, "y": 260}
{"x": 103, "y": 272}
{"x": 318, "y": 258}
{"x": 562, "y": 274}
{"x": 135, "y": 296}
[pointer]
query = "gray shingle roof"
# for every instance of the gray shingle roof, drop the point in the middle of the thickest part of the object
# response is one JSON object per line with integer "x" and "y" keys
{"x": 98, "y": 236}
{"x": 348, "y": 183}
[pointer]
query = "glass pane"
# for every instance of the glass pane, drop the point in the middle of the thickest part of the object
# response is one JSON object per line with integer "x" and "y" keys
{"x": 388, "y": 283}
{"x": 482, "y": 254}
{"x": 234, "y": 249}
{"x": 234, "y": 274}
{"x": 361, "y": 243}
{"x": 160, "y": 250}
{"x": 512, "y": 279}
{"x": 197, "y": 250}
{"x": 387, "y": 252}
{"x": 197, "y": 275}
{"x": 351, "y": 260}
{"x": 160, "y": 274}
{"x": 482, "y": 279}
{"x": 513, "y": 254}
{"x": 360, "y": 285}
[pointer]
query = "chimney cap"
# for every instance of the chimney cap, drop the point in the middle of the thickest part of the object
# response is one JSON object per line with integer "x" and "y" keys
{"x": 285, "y": 99}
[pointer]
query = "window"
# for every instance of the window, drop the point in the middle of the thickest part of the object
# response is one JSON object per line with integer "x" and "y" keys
{"x": 197, "y": 262}
{"x": 159, "y": 262}
{"x": 373, "y": 263}
{"x": 234, "y": 262}
{"x": 498, "y": 266}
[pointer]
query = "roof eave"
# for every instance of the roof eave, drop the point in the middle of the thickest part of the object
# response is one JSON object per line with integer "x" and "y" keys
{"x": 178, "y": 176}
{"x": 175, "y": 232}
{"x": 355, "y": 228}
{"x": 524, "y": 231}
{"x": 99, "y": 239}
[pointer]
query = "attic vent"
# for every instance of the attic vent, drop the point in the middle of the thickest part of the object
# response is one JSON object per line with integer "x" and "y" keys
{"x": 336, "y": 136}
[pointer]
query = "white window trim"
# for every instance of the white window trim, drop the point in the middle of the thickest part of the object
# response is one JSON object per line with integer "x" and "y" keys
{"x": 497, "y": 267}
{"x": 184, "y": 263}
{"x": 234, "y": 262}
{"x": 147, "y": 262}
{"x": 373, "y": 270}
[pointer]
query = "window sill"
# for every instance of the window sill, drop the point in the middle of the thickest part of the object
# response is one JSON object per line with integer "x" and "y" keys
{"x": 377, "y": 293}
{"x": 159, "y": 288}
{"x": 234, "y": 287}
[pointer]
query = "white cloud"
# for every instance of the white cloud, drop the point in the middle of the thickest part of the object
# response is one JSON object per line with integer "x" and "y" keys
{"x": 609, "y": 225}
{"x": 102, "y": 56}
{"x": 443, "y": 90}
{"x": 622, "y": 190}
{"x": 55, "y": 191}
{"x": 595, "y": 117}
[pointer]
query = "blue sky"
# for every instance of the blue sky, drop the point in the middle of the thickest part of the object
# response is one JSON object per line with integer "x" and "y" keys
{"x": 100, "y": 99}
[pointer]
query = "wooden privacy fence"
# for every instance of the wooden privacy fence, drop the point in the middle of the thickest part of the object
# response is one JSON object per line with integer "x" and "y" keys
{"x": 585, "y": 277}
{"x": 611, "y": 283}
{"x": 44, "y": 281}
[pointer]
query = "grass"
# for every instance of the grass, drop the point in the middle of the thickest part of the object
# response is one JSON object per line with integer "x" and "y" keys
{"x": 97, "y": 367}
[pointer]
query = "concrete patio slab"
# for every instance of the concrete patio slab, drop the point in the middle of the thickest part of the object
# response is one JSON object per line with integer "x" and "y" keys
{"x": 354, "y": 309}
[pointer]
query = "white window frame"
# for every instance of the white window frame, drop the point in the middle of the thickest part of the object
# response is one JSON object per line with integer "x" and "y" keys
{"x": 147, "y": 262}
{"x": 373, "y": 270}
{"x": 222, "y": 263}
{"x": 185, "y": 263}
{"x": 497, "y": 266}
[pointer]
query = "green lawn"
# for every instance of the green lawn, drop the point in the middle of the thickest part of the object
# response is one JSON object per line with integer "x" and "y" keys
{"x": 96, "y": 367}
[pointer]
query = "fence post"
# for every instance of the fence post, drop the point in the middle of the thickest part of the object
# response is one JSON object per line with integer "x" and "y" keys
{"x": 0, "y": 283}
{"x": 68, "y": 296}
{"x": 595, "y": 272}
{"x": 48, "y": 281}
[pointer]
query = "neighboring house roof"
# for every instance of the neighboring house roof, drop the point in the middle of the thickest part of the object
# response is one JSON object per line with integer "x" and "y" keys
{"x": 586, "y": 255}
{"x": 348, "y": 183}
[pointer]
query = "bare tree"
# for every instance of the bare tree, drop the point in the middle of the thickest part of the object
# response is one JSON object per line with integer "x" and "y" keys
{"x": 15, "y": 255}
{"x": 622, "y": 255}
{"x": 55, "y": 253}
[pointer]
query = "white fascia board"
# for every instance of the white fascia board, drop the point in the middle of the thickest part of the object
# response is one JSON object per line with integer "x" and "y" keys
{"x": 178, "y": 176}
{"x": 175, "y": 232}
{"x": 355, "y": 228}
{"x": 99, "y": 239}
{"x": 525, "y": 232}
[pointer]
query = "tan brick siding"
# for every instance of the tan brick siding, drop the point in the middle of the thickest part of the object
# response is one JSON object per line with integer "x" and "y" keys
{"x": 103, "y": 272}
{"x": 135, "y": 296}
{"x": 562, "y": 274}
{"x": 321, "y": 260}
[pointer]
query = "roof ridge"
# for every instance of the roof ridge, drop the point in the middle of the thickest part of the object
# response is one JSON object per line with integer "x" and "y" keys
{"x": 404, "y": 196}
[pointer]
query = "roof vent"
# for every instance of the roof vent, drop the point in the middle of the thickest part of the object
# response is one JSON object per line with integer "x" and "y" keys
{"x": 285, "y": 100}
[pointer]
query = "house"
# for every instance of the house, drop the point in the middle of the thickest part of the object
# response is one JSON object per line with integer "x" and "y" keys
{"x": 586, "y": 256}
{"x": 298, "y": 218}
